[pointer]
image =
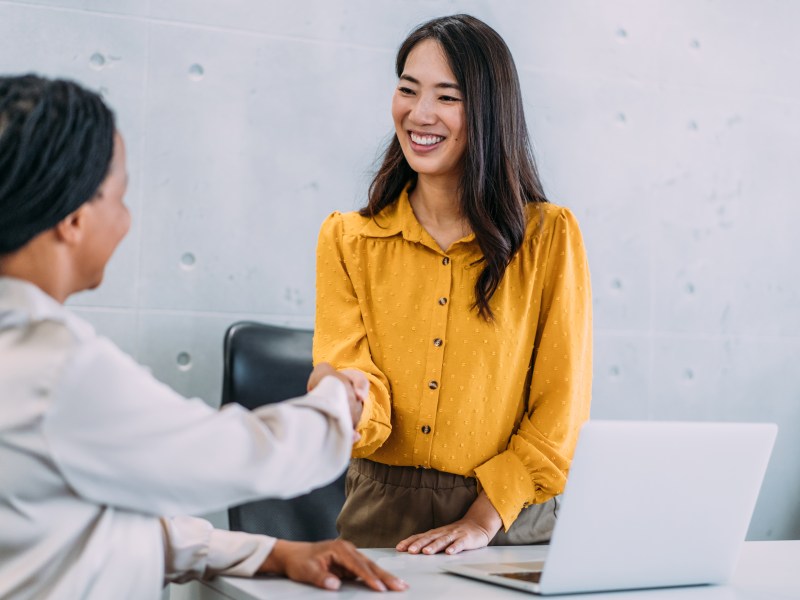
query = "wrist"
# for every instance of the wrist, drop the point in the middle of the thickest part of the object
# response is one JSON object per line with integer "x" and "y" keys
{"x": 276, "y": 560}
{"x": 484, "y": 515}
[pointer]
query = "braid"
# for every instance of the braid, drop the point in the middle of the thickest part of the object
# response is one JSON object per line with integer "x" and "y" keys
{"x": 56, "y": 142}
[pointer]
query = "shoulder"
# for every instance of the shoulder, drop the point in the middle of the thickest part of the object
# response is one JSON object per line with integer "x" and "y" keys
{"x": 339, "y": 225}
{"x": 546, "y": 219}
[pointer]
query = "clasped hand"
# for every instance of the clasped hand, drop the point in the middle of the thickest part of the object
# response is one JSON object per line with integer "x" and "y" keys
{"x": 356, "y": 384}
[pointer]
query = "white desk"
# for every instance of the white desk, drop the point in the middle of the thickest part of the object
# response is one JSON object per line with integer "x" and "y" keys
{"x": 766, "y": 571}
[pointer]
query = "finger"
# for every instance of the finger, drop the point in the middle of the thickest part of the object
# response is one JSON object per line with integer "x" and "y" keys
{"x": 328, "y": 581}
{"x": 356, "y": 436}
{"x": 360, "y": 566}
{"x": 348, "y": 386}
{"x": 320, "y": 371}
{"x": 358, "y": 378}
{"x": 392, "y": 582}
{"x": 403, "y": 545}
{"x": 388, "y": 580}
{"x": 310, "y": 569}
{"x": 420, "y": 543}
{"x": 439, "y": 544}
{"x": 359, "y": 381}
{"x": 456, "y": 547}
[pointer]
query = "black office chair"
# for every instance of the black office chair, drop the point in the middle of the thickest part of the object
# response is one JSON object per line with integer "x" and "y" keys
{"x": 266, "y": 364}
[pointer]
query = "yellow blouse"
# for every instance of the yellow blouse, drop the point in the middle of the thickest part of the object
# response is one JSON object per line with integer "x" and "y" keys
{"x": 500, "y": 401}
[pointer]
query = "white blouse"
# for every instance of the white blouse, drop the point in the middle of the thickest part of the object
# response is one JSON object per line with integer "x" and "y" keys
{"x": 94, "y": 451}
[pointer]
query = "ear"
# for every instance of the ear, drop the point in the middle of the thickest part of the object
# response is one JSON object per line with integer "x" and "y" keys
{"x": 72, "y": 228}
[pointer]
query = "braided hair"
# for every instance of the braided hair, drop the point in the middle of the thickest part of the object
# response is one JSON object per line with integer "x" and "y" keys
{"x": 56, "y": 142}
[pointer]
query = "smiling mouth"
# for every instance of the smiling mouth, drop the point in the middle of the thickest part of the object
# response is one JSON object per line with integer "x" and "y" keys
{"x": 425, "y": 140}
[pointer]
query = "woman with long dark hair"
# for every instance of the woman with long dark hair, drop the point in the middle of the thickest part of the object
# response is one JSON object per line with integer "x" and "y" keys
{"x": 464, "y": 296}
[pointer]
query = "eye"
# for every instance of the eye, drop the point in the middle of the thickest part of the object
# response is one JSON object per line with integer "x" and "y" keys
{"x": 449, "y": 99}
{"x": 405, "y": 91}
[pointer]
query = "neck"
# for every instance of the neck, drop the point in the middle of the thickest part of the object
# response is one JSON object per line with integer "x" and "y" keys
{"x": 42, "y": 265}
{"x": 435, "y": 200}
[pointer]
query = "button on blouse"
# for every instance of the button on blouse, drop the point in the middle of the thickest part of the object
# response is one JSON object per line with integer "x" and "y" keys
{"x": 502, "y": 400}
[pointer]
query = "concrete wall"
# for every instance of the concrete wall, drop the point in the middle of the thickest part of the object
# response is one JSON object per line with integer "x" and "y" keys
{"x": 671, "y": 128}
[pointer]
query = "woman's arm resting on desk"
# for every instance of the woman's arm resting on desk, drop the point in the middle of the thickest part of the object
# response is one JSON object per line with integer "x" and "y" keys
{"x": 195, "y": 550}
{"x": 325, "y": 564}
{"x": 475, "y": 530}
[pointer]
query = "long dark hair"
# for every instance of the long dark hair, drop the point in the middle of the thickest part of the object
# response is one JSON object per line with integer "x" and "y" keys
{"x": 56, "y": 142}
{"x": 499, "y": 176}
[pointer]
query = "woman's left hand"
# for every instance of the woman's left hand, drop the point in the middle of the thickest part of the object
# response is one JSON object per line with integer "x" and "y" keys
{"x": 464, "y": 534}
{"x": 474, "y": 530}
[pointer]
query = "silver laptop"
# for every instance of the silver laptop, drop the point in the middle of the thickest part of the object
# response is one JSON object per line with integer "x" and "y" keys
{"x": 647, "y": 504}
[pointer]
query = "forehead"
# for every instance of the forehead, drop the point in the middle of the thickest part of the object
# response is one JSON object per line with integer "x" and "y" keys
{"x": 427, "y": 63}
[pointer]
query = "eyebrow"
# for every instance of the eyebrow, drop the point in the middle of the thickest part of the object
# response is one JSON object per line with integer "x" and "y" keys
{"x": 443, "y": 85}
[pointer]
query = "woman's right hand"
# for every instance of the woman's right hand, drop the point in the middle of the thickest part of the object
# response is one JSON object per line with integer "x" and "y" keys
{"x": 357, "y": 386}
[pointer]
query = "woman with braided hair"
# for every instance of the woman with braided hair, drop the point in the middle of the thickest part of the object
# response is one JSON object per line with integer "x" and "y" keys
{"x": 94, "y": 451}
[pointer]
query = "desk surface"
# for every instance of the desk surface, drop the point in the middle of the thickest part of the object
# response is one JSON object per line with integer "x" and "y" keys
{"x": 766, "y": 571}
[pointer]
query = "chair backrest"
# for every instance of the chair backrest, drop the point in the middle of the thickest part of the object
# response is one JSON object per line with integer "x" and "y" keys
{"x": 265, "y": 364}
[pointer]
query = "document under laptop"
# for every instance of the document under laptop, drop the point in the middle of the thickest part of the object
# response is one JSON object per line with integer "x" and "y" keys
{"x": 647, "y": 504}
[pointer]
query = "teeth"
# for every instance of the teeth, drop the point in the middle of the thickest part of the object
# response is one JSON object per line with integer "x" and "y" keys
{"x": 426, "y": 140}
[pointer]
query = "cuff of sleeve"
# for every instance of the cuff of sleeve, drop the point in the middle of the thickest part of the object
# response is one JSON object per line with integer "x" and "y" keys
{"x": 237, "y": 553}
{"x": 373, "y": 432}
{"x": 507, "y": 484}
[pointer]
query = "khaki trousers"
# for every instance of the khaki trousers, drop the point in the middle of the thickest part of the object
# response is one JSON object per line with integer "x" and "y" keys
{"x": 386, "y": 504}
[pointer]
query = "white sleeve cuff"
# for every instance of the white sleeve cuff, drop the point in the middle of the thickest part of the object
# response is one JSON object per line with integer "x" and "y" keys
{"x": 195, "y": 550}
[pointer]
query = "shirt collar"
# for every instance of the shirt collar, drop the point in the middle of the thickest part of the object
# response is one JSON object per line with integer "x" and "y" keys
{"x": 399, "y": 218}
{"x": 23, "y": 303}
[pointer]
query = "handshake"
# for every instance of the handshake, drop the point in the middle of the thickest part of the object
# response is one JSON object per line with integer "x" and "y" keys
{"x": 356, "y": 384}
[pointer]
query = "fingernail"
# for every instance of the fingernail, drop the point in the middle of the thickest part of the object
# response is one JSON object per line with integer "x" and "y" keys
{"x": 381, "y": 586}
{"x": 331, "y": 583}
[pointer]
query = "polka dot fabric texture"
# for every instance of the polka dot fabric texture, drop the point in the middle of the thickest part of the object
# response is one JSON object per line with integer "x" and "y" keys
{"x": 501, "y": 401}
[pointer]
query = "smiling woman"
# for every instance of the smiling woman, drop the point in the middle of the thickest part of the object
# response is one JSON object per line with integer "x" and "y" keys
{"x": 464, "y": 296}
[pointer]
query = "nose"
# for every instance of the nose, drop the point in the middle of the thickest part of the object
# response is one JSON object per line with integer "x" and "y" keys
{"x": 423, "y": 112}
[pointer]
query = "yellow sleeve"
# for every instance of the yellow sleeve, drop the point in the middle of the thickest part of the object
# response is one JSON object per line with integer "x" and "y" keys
{"x": 534, "y": 467}
{"x": 340, "y": 337}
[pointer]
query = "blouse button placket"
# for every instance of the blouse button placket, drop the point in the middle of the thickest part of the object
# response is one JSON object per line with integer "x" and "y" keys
{"x": 434, "y": 359}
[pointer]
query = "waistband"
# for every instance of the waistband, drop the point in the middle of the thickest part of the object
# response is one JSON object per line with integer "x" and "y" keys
{"x": 410, "y": 477}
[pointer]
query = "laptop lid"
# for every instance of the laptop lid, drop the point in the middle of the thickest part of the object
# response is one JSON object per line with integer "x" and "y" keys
{"x": 648, "y": 504}
{"x": 656, "y": 504}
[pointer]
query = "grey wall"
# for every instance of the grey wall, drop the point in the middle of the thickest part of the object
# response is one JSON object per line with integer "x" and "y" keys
{"x": 671, "y": 128}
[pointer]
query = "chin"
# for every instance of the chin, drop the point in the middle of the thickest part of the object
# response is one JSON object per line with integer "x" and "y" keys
{"x": 95, "y": 283}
